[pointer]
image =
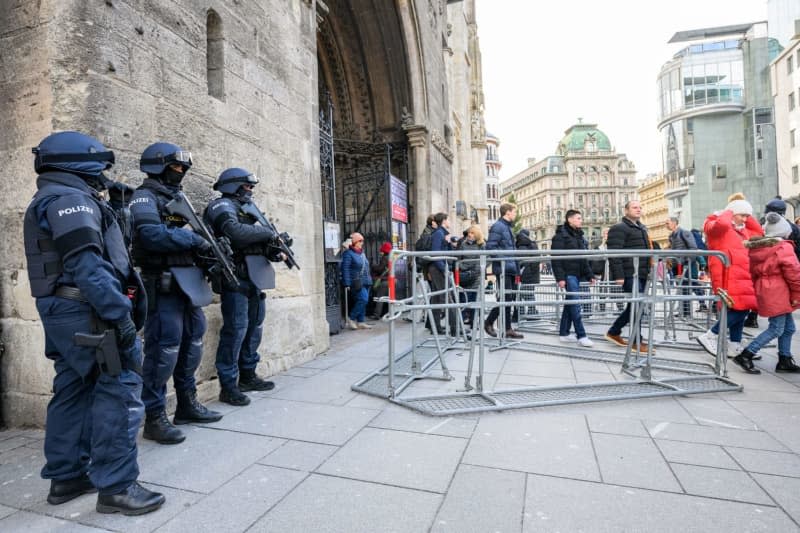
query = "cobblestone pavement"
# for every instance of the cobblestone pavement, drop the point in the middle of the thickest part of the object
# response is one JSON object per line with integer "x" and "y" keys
{"x": 312, "y": 455}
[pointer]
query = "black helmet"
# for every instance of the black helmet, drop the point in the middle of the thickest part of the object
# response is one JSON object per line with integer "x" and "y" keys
{"x": 231, "y": 179}
{"x": 73, "y": 152}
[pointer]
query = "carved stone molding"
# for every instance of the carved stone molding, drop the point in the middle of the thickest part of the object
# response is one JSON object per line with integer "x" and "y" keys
{"x": 417, "y": 135}
{"x": 441, "y": 145}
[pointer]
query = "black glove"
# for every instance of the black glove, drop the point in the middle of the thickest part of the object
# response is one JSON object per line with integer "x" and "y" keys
{"x": 287, "y": 239}
{"x": 126, "y": 333}
{"x": 356, "y": 285}
{"x": 204, "y": 247}
{"x": 119, "y": 193}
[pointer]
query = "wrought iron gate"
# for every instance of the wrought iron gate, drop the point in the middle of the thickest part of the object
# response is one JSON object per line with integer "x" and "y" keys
{"x": 332, "y": 237}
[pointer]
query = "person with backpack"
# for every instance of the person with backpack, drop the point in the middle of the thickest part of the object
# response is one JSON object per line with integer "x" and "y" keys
{"x": 424, "y": 244}
{"x": 501, "y": 237}
{"x": 470, "y": 270}
{"x": 438, "y": 270}
{"x": 685, "y": 268}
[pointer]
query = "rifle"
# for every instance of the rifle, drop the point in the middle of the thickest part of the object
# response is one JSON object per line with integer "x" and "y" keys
{"x": 250, "y": 209}
{"x": 180, "y": 205}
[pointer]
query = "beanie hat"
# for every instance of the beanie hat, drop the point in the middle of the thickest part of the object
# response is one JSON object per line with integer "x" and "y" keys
{"x": 386, "y": 247}
{"x": 777, "y": 226}
{"x": 736, "y": 196}
{"x": 776, "y": 205}
{"x": 740, "y": 207}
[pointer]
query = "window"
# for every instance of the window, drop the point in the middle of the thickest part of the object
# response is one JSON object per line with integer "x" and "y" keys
{"x": 215, "y": 56}
{"x": 791, "y": 101}
{"x": 795, "y": 177}
{"x": 791, "y": 138}
{"x": 789, "y": 66}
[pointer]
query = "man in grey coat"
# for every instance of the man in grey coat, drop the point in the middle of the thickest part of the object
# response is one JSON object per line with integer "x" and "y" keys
{"x": 682, "y": 239}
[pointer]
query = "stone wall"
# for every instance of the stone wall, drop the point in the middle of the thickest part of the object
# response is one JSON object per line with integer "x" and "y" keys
{"x": 134, "y": 72}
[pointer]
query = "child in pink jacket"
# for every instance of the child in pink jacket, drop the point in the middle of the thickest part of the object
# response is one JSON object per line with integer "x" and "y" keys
{"x": 776, "y": 277}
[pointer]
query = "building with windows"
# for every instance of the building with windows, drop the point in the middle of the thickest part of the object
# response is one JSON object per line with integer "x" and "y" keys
{"x": 585, "y": 174}
{"x": 785, "y": 80}
{"x": 716, "y": 120}
{"x": 655, "y": 209}
{"x": 493, "y": 166}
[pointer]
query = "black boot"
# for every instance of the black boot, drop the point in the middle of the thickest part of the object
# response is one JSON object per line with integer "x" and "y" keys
{"x": 751, "y": 321}
{"x": 190, "y": 410}
{"x": 786, "y": 364}
{"x": 158, "y": 428}
{"x": 248, "y": 380}
{"x": 745, "y": 360}
{"x": 134, "y": 500}
{"x": 233, "y": 396}
{"x": 69, "y": 489}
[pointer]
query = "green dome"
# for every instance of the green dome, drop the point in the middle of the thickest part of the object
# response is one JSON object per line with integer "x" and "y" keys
{"x": 575, "y": 139}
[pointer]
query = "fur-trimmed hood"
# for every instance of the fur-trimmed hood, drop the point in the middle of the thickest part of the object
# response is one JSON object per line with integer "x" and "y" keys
{"x": 761, "y": 242}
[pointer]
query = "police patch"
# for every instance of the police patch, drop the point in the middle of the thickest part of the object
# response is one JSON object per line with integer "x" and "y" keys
{"x": 75, "y": 209}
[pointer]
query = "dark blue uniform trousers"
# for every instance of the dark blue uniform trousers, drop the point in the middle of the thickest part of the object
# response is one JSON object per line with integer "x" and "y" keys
{"x": 242, "y": 326}
{"x": 92, "y": 422}
{"x": 173, "y": 346}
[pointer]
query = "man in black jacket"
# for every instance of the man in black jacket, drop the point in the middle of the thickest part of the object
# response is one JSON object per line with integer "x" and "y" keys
{"x": 569, "y": 273}
{"x": 628, "y": 234}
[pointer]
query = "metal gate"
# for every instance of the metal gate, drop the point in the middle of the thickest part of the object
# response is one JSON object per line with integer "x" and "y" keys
{"x": 330, "y": 222}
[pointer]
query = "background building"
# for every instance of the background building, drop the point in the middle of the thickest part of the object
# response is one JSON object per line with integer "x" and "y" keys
{"x": 655, "y": 208}
{"x": 343, "y": 107}
{"x": 493, "y": 166}
{"x": 782, "y": 18}
{"x": 585, "y": 174}
{"x": 785, "y": 77}
{"x": 716, "y": 120}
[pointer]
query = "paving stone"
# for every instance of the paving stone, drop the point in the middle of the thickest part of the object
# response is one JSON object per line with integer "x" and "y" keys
{"x": 617, "y": 426}
{"x": 783, "y": 423}
{"x": 771, "y": 397}
{"x": 696, "y": 454}
{"x": 530, "y": 441}
{"x": 21, "y": 485}
{"x": 412, "y": 460}
{"x": 361, "y": 365}
{"x": 764, "y": 462}
{"x": 550, "y": 506}
{"x": 366, "y": 401}
{"x": 83, "y": 510}
{"x": 324, "y": 362}
{"x": 297, "y": 455}
{"x": 594, "y": 377}
{"x": 509, "y": 381}
{"x": 661, "y": 409}
{"x": 16, "y": 442}
{"x": 403, "y": 419}
{"x": 715, "y": 412}
{"x": 6, "y": 511}
{"x": 204, "y": 461}
{"x": 784, "y": 490}
{"x": 351, "y": 506}
{"x": 501, "y": 496}
{"x": 329, "y": 387}
{"x": 492, "y": 363}
{"x": 547, "y": 370}
{"x": 36, "y": 523}
{"x": 436, "y": 386}
{"x": 302, "y": 372}
{"x": 310, "y": 422}
{"x": 633, "y": 462}
{"x": 719, "y": 483}
{"x": 714, "y": 435}
{"x": 237, "y": 504}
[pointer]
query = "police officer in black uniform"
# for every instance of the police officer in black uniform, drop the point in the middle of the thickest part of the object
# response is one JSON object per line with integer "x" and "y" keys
{"x": 173, "y": 334}
{"x": 83, "y": 282}
{"x": 243, "y": 306}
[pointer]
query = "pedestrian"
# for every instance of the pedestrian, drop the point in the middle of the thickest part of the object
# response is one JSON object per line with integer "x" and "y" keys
{"x": 439, "y": 270}
{"x": 243, "y": 306}
{"x": 83, "y": 282}
{"x": 501, "y": 237}
{"x": 778, "y": 205}
{"x": 628, "y": 234}
{"x": 166, "y": 253}
{"x": 569, "y": 274}
{"x": 470, "y": 271}
{"x": 776, "y": 278}
{"x": 380, "y": 275}
{"x": 356, "y": 279}
{"x": 726, "y": 232}
{"x": 685, "y": 268}
{"x": 529, "y": 271}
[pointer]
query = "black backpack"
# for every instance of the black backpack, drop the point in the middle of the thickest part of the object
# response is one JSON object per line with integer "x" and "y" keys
{"x": 424, "y": 244}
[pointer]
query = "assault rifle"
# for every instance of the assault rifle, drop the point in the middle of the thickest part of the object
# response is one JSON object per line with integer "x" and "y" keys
{"x": 251, "y": 209}
{"x": 180, "y": 206}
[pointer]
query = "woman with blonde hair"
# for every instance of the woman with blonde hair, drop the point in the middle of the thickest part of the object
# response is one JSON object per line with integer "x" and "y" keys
{"x": 470, "y": 270}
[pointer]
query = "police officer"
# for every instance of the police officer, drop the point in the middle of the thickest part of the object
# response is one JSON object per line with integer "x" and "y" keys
{"x": 243, "y": 306}
{"x": 83, "y": 282}
{"x": 173, "y": 334}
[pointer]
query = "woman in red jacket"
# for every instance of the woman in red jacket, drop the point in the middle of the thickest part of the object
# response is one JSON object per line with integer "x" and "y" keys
{"x": 776, "y": 275}
{"x": 726, "y": 232}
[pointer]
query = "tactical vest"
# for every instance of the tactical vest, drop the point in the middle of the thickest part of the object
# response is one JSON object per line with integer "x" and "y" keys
{"x": 45, "y": 263}
{"x": 150, "y": 260}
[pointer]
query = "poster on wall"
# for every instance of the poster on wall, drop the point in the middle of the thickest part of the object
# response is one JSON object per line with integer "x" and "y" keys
{"x": 332, "y": 240}
{"x": 399, "y": 196}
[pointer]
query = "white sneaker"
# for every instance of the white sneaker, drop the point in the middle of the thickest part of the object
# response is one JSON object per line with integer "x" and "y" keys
{"x": 709, "y": 342}
{"x": 351, "y": 324}
{"x": 734, "y": 349}
{"x": 363, "y": 325}
{"x": 569, "y": 338}
{"x": 585, "y": 341}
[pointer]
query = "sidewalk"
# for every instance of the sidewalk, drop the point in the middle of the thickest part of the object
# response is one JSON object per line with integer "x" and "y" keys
{"x": 312, "y": 455}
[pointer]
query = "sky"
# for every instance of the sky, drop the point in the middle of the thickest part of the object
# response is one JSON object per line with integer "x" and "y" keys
{"x": 547, "y": 62}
